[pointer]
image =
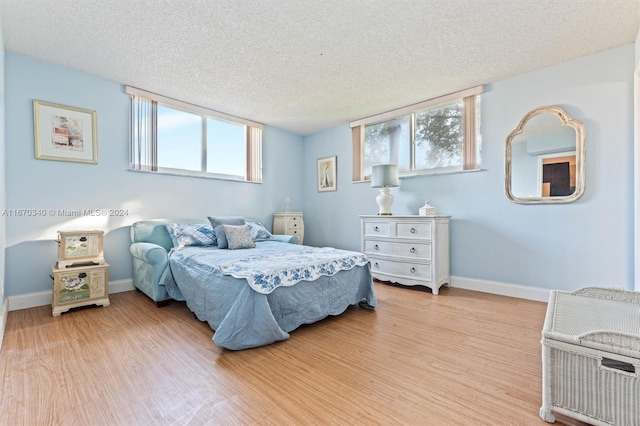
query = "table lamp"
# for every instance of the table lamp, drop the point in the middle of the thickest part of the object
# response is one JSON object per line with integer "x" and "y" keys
{"x": 384, "y": 176}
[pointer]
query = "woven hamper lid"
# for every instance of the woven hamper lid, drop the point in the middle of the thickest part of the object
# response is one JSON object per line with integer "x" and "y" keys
{"x": 601, "y": 319}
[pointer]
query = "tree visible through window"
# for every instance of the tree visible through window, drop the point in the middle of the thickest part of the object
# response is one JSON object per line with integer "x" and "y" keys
{"x": 427, "y": 137}
{"x": 439, "y": 137}
{"x": 384, "y": 144}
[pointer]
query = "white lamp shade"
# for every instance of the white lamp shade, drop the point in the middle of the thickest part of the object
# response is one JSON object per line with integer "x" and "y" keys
{"x": 384, "y": 175}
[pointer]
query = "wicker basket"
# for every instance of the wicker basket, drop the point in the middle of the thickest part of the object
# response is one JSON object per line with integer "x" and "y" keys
{"x": 591, "y": 357}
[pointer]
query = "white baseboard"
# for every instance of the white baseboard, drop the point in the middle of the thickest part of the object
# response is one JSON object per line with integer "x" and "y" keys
{"x": 42, "y": 298}
{"x": 4, "y": 312}
{"x": 121, "y": 285}
{"x": 504, "y": 289}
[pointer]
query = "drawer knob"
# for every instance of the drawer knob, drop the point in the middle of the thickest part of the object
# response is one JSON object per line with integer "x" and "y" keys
{"x": 413, "y": 230}
{"x": 376, "y": 247}
{"x": 413, "y": 270}
{"x": 375, "y": 265}
{"x": 375, "y": 228}
{"x": 413, "y": 250}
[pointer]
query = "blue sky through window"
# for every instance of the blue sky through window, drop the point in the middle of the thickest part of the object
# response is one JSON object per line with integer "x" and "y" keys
{"x": 180, "y": 143}
{"x": 226, "y": 148}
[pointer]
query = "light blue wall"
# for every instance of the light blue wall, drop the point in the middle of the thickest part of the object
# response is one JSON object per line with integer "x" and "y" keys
{"x": 561, "y": 141}
{"x": 525, "y": 158}
{"x": 40, "y": 184}
{"x": 524, "y": 171}
{"x": 588, "y": 242}
{"x": 2, "y": 173}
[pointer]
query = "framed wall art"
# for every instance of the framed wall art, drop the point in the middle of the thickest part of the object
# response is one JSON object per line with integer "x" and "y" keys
{"x": 65, "y": 133}
{"x": 327, "y": 174}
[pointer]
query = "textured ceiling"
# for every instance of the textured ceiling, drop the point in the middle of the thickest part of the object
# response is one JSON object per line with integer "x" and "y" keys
{"x": 305, "y": 66}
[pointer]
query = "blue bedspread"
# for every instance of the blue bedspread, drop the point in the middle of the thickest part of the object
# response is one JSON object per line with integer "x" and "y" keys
{"x": 244, "y": 318}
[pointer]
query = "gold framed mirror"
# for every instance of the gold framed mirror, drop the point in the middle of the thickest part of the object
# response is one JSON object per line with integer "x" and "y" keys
{"x": 545, "y": 158}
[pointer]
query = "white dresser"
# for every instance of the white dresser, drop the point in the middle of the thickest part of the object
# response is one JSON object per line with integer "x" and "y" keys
{"x": 411, "y": 250}
{"x": 289, "y": 223}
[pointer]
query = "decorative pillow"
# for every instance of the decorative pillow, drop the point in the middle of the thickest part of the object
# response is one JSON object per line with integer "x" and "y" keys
{"x": 216, "y": 224}
{"x": 189, "y": 234}
{"x": 238, "y": 237}
{"x": 258, "y": 231}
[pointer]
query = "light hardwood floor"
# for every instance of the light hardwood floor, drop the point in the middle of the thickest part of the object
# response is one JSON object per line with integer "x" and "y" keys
{"x": 460, "y": 358}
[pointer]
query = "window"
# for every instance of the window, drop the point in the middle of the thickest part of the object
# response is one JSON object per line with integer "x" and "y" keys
{"x": 438, "y": 135}
{"x": 170, "y": 136}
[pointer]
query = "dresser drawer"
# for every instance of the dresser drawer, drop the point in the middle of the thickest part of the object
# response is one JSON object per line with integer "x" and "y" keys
{"x": 414, "y": 230}
{"x": 381, "y": 229}
{"x": 391, "y": 248}
{"x": 415, "y": 271}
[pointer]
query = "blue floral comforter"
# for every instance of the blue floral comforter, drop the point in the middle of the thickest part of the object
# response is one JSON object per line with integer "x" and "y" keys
{"x": 266, "y": 272}
{"x": 265, "y": 306}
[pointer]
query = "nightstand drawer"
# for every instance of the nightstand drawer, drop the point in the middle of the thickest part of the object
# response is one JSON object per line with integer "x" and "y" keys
{"x": 293, "y": 222}
{"x": 414, "y": 230}
{"x": 415, "y": 271}
{"x": 391, "y": 248}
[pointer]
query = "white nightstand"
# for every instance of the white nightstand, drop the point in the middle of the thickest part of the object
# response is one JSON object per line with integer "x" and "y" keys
{"x": 289, "y": 223}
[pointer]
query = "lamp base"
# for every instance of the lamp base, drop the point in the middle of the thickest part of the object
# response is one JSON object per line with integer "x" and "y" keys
{"x": 384, "y": 200}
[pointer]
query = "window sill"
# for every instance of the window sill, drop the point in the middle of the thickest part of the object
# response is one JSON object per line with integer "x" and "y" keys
{"x": 415, "y": 175}
{"x": 194, "y": 175}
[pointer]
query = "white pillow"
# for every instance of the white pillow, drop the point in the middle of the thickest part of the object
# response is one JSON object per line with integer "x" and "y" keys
{"x": 238, "y": 237}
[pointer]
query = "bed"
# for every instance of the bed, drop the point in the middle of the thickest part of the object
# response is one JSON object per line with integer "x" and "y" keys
{"x": 255, "y": 296}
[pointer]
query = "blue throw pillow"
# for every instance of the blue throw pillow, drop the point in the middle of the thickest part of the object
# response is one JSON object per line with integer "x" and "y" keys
{"x": 185, "y": 235}
{"x": 216, "y": 224}
{"x": 258, "y": 231}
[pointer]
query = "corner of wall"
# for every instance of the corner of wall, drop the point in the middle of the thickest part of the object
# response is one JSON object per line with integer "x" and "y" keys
{"x": 3, "y": 299}
{"x": 637, "y": 49}
{"x": 4, "y": 313}
{"x": 636, "y": 164}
